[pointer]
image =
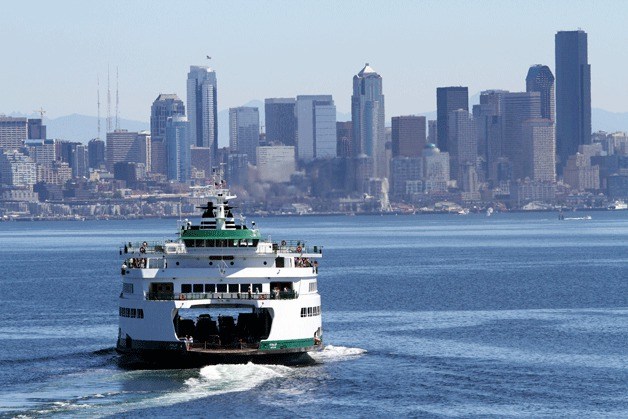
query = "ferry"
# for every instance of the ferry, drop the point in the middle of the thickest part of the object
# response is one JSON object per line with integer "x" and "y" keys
{"x": 617, "y": 205}
{"x": 219, "y": 292}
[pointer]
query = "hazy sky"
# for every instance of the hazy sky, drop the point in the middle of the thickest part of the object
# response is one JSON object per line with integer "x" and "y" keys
{"x": 54, "y": 51}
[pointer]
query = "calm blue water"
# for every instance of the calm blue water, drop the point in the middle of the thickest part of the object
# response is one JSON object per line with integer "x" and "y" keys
{"x": 511, "y": 315}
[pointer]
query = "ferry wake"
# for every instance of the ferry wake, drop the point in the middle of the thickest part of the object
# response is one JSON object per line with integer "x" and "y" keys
{"x": 219, "y": 293}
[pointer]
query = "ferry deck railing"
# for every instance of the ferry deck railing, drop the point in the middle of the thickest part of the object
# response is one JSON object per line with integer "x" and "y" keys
{"x": 165, "y": 296}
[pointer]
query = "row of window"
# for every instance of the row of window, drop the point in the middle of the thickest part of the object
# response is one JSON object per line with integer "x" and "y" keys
{"x": 221, "y": 243}
{"x": 134, "y": 313}
{"x": 244, "y": 288}
{"x": 310, "y": 311}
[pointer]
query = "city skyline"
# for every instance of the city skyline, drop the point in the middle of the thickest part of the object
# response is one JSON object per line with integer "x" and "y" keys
{"x": 293, "y": 65}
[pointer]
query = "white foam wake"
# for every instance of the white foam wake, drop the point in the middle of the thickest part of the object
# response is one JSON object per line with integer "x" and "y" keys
{"x": 337, "y": 353}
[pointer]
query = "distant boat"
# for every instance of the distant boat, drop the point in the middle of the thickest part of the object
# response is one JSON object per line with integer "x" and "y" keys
{"x": 464, "y": 211}
{"x": 586, "y": 217}
{"x": 489, "y": 211}
{"x": 617, "y": 205}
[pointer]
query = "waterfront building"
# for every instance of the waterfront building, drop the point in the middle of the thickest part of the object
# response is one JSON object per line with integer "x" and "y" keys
{"x": 316, "y": 127}
{"x": 96, "y": 152}
{"x": 280, "y": 121}
{"x": 13, "y": 132}
{"x": 580, "y": 175}
{"x": 164, "y": 107}
{"x": 573, "y": 93}
{"x": 539, "y": 151}
{"x": 202, "y": 108}
{"x": 448, "y": 99}
{"x": 178, "y": 149}
{"x": 368, "y": 117}
{"x": 244, "y": 131}
{"x": 275, "y": 163}
{"x": 408, "y": 136}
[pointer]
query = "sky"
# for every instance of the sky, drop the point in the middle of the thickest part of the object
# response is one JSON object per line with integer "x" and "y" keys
{"x": 54, "y": 52}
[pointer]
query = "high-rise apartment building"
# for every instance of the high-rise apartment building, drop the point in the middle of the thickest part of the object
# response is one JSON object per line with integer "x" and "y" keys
{"x": 368, "y": 117}
{"x": 178, "y": 148}
{"x": 13, "y": 132}
{"x": 203, "y": 108}
{"x": 41, "y": 151}
{"x": 164, "y": 107}
{"x": 17, "y": 169}
{"x": 316, "y": 127}
{"x": 408, "y": 136}
{"x": 573, "y": 93}
{"x": 244, "y": 131}
{"x": 280, "y": 121}
{"x": 448, "y": 99}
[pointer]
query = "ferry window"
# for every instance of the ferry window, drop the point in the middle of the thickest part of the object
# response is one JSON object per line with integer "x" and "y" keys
{"x": 140, "y": 313}
{"x": 221, "y": 287}
{"x": 245, "y": 287}
{"x": 133, "y": 312}
{"x": 198, "y": 287}
{"x": 309, "y": 311}
{"x": 234, "y": 288}
{"x": 127, "y": 312}
{"x": 312, "y": 286}
{"x": 121, "y": 312}
{"x": 186, "y": 288}
{"x": 303, "y": 312}
{"x": 257, "y": 288}
{"x": 127, "y": 288}
{"x": 210, "y": 287}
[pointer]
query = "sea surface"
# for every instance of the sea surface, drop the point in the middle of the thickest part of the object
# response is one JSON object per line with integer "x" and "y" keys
{"x": 513, "y": 315}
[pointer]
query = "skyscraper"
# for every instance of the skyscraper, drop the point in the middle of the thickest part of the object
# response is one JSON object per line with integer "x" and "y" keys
{"x": 488, "y": 121}
{"x": 244, "y": 131}
{"x": 203, "y": 108}
{"x": 36, "y": 129}
{"x": 448, "y": 99}
{"x": 280, "y": 120}
{"x": 463, "y": 142}
{"x": 367, "y": 115}
{"x": 408, "y": 135}
{"x": 540, "y": 79}
{"x": 178, "y": 148}
{"x": 125, "y": 146}
{"x": 164, "y": 107}
{"x": 573, "y": 93}
{"x": 316, "y": 127}
{"x": 96, "y": 152}
{"x": 539, "y": 149}
{"x": 517, "y": 108}
{"x": 13, "y": 132}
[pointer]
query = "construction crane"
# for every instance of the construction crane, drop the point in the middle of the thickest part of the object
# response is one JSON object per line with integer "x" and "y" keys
{"x": 41, "y": 112}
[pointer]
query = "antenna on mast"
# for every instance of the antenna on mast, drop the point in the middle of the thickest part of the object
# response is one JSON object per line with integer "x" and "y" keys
{"x": 98, "y": 102}
{"x": 117, "y": 100}
{"x": 108, "y": 101}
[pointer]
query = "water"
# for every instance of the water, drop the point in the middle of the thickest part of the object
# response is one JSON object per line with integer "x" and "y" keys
{"x": 514, "y": 315}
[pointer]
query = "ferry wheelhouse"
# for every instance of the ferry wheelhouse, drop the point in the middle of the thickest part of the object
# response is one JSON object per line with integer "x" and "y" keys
{"x": 220, "y": 292}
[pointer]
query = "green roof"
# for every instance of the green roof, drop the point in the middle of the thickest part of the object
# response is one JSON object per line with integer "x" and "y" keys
{"x": 220, "y": 234}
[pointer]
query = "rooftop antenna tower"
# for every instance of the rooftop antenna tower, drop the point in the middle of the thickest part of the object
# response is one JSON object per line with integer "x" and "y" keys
{"x": 98, "y": 103}
{"x": 108, "y": 102}
{"x": 117, "y": 100}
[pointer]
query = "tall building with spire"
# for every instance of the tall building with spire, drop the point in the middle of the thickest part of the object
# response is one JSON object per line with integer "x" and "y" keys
{"x": 203, "y": 109}
{"x": 573, "y": 93}
{"x": 367, "y": 115}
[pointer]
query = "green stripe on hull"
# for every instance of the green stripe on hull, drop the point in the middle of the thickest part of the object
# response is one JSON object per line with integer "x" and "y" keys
{"x": 270, "y": 345}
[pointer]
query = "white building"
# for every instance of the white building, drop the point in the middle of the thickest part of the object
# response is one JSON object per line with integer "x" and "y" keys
{"x": 17, "y": 169}
{"x": 316, "y": 127}
{"x": 275, "y": 163}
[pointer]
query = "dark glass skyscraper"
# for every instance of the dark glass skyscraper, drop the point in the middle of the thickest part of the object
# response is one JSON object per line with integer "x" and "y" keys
{"x": 573, "y": 93}
{"x": 281, "y": 120}
{"x": 448, "y": 99}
